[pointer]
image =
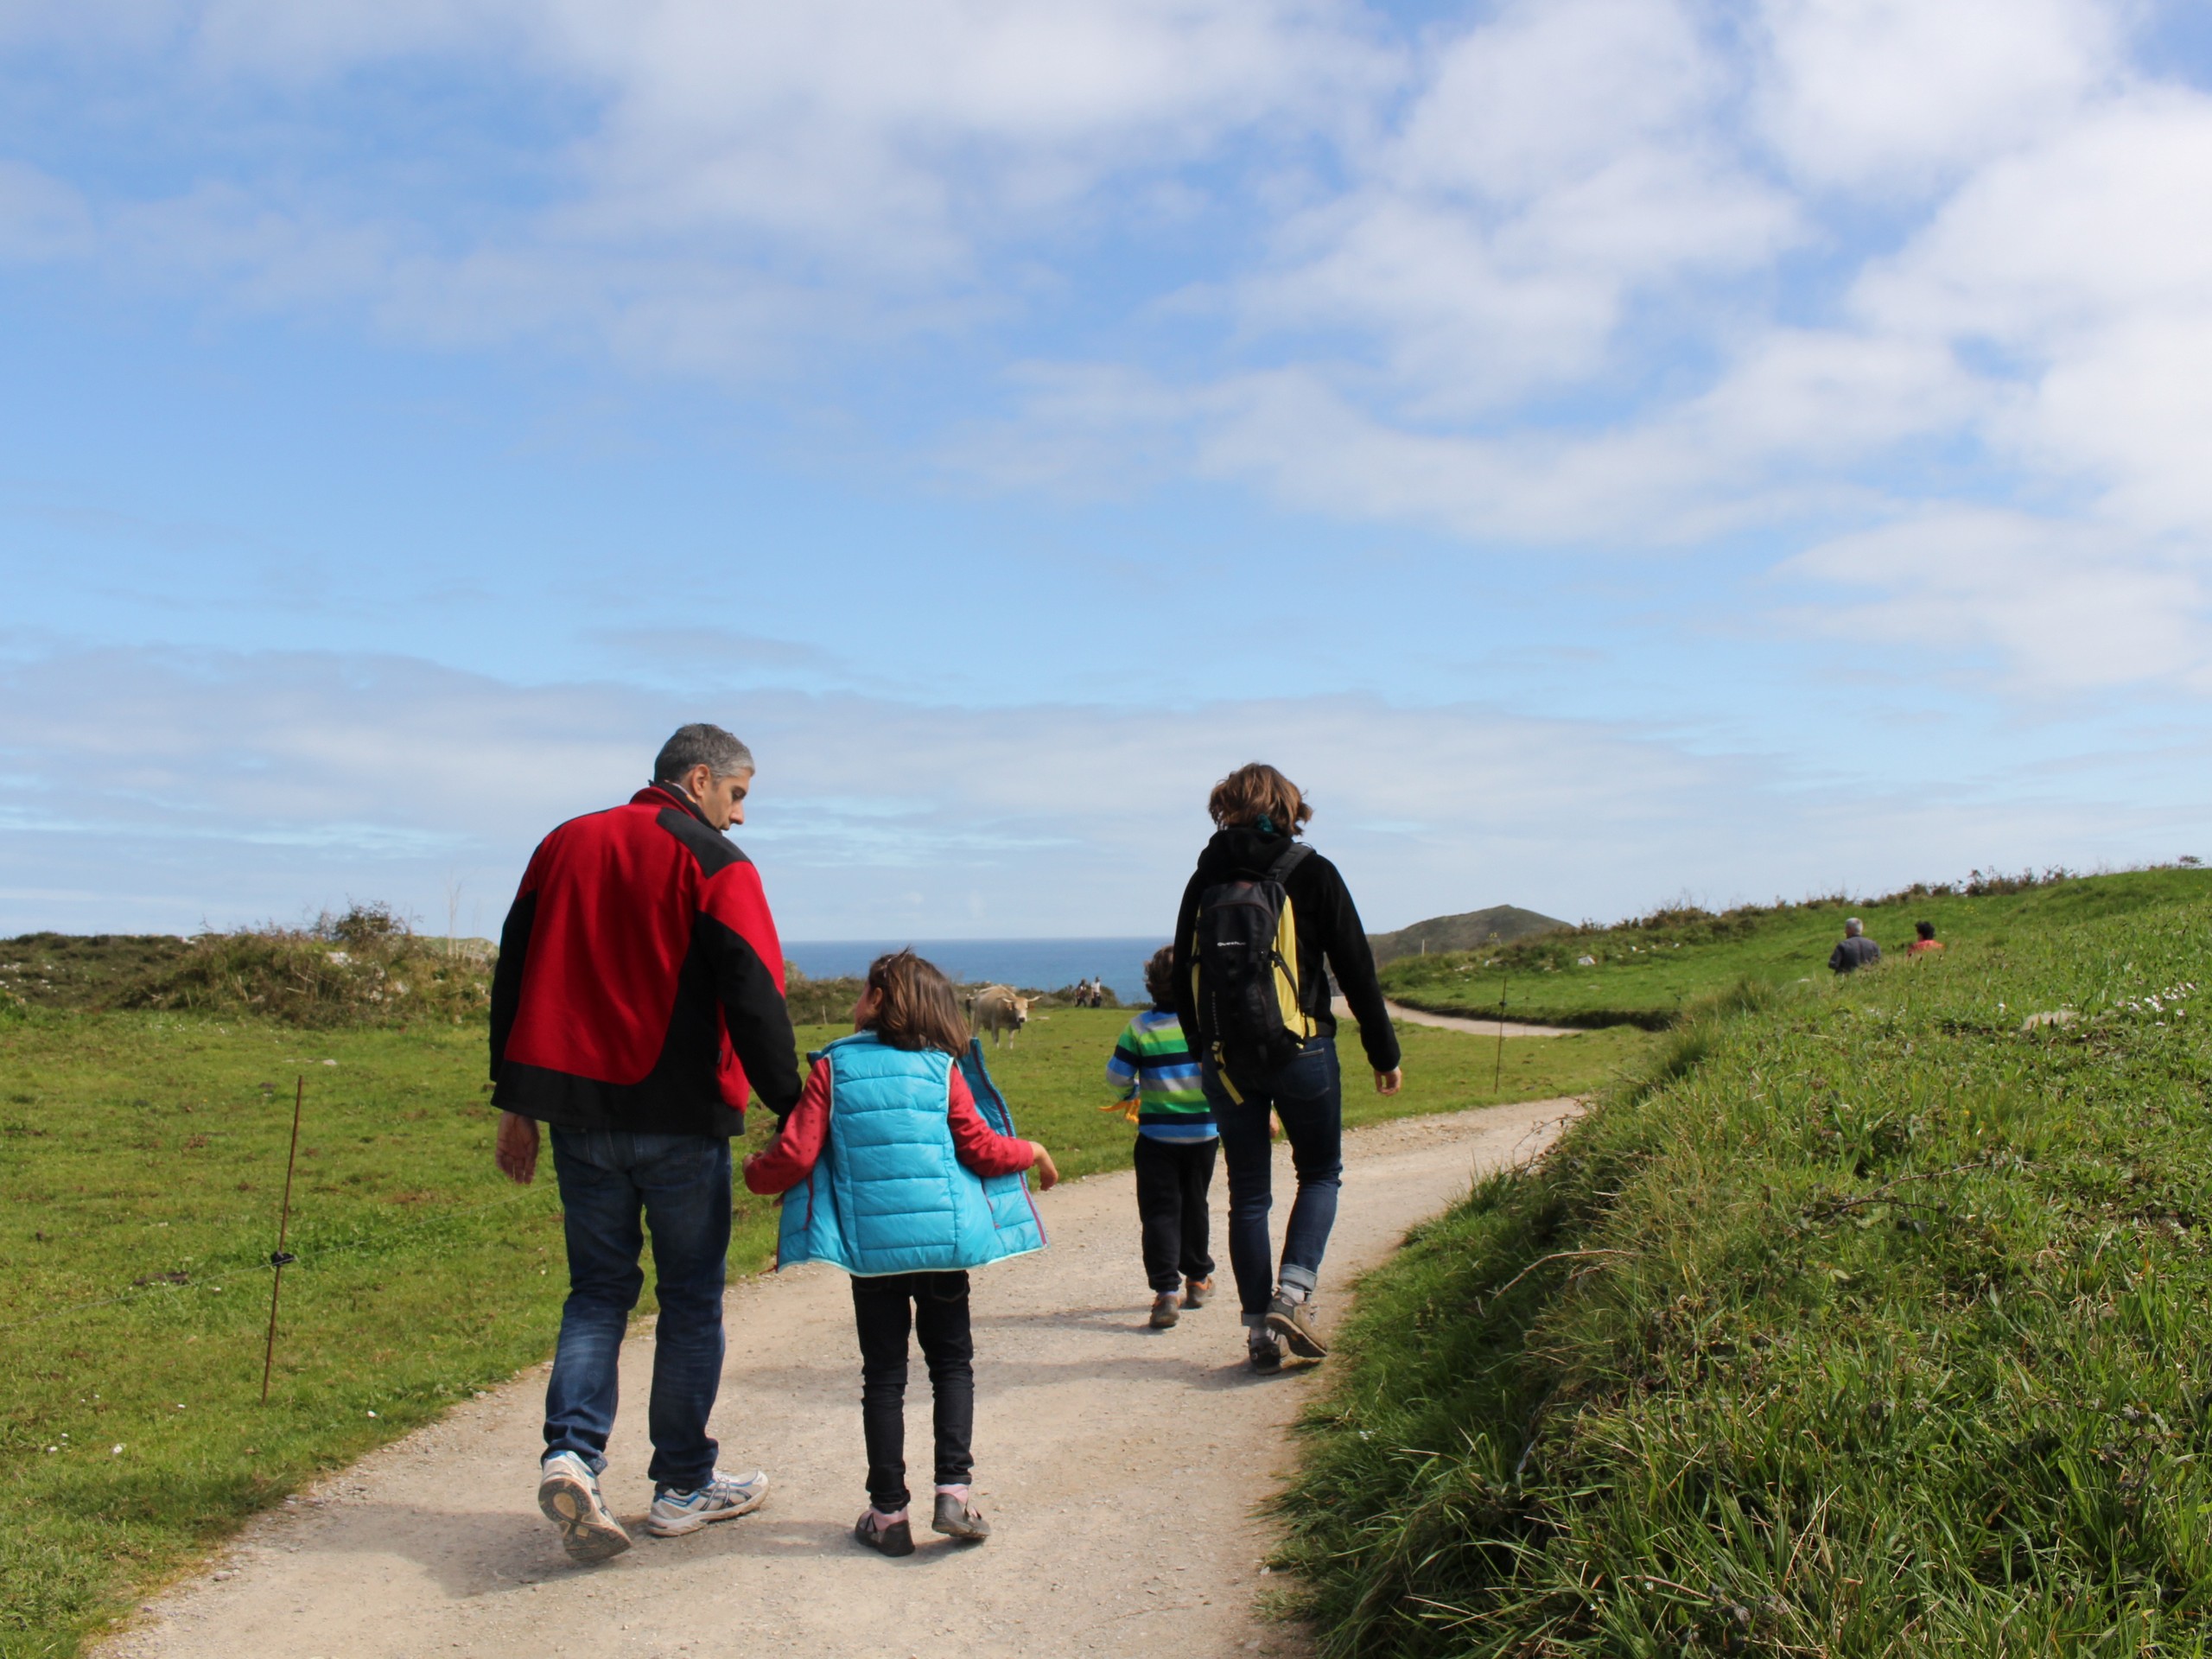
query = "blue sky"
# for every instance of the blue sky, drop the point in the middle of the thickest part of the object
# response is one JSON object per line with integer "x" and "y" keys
{"x": 1606, "y": 449}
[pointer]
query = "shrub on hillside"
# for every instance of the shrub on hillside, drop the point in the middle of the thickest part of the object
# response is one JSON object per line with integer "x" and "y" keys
{"x": 363, "y": 967}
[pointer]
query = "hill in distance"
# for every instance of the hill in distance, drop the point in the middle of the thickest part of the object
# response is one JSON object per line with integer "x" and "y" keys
{"x": 1470, "y": 931}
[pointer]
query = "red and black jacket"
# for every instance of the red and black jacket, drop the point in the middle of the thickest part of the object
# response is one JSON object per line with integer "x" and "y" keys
{"x": 640, "y": 983}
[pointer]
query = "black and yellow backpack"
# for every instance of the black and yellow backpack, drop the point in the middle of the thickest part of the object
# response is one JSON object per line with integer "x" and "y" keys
{"x": 1244, "y": 974}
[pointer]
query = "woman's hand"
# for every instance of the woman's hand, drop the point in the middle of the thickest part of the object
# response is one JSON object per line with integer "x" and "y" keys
{"x": 1048, "y": 1172}
{"x": 515, "y": 1148}
{"x": 1389, "y": 1083}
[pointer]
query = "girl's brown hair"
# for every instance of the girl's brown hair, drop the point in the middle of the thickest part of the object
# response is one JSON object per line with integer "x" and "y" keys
{"x": 917, "y": 1009}
{"x": 1256, "y": 791}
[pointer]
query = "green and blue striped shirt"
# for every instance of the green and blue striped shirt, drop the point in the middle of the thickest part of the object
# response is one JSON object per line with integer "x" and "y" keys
{"x": 1153, "y": 1062}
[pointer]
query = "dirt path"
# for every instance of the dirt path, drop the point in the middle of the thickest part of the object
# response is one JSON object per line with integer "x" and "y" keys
{"x": 1121, "y": 1467}
{"x": 1453, "y": 1022}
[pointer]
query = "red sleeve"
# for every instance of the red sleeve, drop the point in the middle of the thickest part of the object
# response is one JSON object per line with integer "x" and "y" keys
{"x": 979, "y": 1147}
{"x": 790, "y": 1157}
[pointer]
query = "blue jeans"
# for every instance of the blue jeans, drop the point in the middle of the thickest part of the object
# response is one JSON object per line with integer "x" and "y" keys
{"x": 1307, "y": 1094}
{"x": 680, "y": 1183}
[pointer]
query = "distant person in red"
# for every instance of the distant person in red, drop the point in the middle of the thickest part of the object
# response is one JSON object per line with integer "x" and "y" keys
{"x": 1927, "y": 944}
{"x": 1855, "y": 950}
{"x": 638, "y": 998}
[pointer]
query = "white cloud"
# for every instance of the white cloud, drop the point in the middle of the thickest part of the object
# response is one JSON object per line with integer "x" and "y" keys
{"x": 2069, "y": 607}
{"x": 1892, "y": 93}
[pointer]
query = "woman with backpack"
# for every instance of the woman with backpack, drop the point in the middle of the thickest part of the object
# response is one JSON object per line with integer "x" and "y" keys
{"x": 1264, "y": 922}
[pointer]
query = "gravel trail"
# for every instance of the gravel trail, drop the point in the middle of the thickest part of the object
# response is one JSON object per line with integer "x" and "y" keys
{"x": 1123, "y": 1468}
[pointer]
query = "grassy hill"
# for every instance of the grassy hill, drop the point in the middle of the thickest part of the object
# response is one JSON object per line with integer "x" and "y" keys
{"x": 1469, "y": 931}
{"x": 1872, "y": 1323}
{"x": 1645, "y": 971}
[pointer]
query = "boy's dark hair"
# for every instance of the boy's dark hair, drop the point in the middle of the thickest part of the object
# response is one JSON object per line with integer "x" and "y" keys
{"x": 919, "y": 1009}
{"x": 1258, "y": 794}
{"x": 1926, "y": 930}
{"x": 1159, "y": 977}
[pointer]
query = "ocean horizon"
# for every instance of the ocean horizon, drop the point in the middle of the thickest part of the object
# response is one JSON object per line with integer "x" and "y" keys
{"x": 1042, "y": 964}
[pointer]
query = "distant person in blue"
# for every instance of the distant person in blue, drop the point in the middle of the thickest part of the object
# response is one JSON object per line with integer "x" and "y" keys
{"x": 1264, "y": 922}
{"x": 1155, "y": 1072}
{"x": 1854, "y": 951}
{"x": 891, "y": 1168}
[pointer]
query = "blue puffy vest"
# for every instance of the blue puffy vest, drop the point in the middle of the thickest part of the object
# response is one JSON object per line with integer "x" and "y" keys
{"x": 889, "y": 1194}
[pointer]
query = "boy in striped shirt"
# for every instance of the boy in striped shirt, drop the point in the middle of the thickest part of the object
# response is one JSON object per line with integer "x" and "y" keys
{"x": 1176, "y": 1143}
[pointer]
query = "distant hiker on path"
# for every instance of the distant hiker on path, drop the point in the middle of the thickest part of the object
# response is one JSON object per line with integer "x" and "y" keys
{"x": 891, "y": 1169}
{"x": 1263, "y": 922}
{"x": 1925, "y": 943}
{"x": 639, "y": 996}
{"x": 1854, "y": 951}
{"x": 1154, "y": 1067}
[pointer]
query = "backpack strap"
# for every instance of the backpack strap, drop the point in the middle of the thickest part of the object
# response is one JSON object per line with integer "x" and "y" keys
{"x": 1288, "y": 859}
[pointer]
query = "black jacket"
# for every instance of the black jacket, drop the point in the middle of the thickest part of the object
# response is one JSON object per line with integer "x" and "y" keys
{"x": 1328, "y": 927}
{"x": 1852, "y": 954}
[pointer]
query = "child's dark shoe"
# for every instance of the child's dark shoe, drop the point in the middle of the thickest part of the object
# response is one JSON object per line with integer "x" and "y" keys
{"x": 1264, "y": 1351}
{"x": 1195, "y": 1292}
{"x": 1294, "y": 1323}
{"x": 1165, "y": 1310}
{"x": 956, "y": 1517}
{"x": 897, "y": 1538}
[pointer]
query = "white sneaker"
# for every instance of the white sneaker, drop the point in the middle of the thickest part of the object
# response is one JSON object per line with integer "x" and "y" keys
{"x": 568, "y": 1492}
{"x": 675, "y": 1513}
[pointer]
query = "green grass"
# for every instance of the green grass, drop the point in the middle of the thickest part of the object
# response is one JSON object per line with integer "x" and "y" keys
{"x": 142, "y": 1162}
{"x": 1871, "y": 1324}
{"x": 1646, "y": 970}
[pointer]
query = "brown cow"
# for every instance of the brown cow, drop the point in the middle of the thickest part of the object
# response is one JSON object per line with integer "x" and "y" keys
{"x": 996, "y": 1009}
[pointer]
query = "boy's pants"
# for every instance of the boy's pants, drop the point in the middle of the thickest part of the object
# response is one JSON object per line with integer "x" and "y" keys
{"x": 679, "y": 1185}
{"x": 937, "y": 1304}
{"x": 1172, "y": 1177}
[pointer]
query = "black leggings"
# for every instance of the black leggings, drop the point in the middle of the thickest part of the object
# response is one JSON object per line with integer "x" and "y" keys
{"x": 938, "y": 1304}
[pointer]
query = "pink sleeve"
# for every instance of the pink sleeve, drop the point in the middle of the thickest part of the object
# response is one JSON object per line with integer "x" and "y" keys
{"x": 980, "y": 1148}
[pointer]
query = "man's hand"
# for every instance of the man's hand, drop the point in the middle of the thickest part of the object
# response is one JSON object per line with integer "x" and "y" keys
{"x": 1048, "y": 1172}
{"x": 515, "y": 1151}
{"x": 1389, "y": 1083}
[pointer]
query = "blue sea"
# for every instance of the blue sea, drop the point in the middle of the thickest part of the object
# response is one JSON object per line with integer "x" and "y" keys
{"x": 1046, "y": 964}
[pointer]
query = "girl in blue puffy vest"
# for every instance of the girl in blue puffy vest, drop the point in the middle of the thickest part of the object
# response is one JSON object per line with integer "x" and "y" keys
{"x": 899, "y": 1165}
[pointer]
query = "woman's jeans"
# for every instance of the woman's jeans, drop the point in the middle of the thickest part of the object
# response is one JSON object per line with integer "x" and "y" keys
{"x": 680, "y": 1183}
{"x": 1307, "y": 1094}
{"x": 938, "y": 1303}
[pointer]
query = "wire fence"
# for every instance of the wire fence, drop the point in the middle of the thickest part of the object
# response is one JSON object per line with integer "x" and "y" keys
{"x": 250, "y": 1260}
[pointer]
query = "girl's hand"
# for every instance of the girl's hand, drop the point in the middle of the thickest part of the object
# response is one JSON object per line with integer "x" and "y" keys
{"x": 1048, "y": 1174}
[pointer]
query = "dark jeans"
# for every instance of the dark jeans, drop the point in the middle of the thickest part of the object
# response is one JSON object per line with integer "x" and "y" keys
{"x": 1307, "y": 1094}
{"x": 680, "y": 1183}
{"x": 938, "y": 1304}
{"x": 1172, "y": 1177}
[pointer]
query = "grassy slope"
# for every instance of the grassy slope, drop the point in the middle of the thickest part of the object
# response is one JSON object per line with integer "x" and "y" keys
{"x": 1646, "y": 974}
{"x": 135, "y": 1146}
{"x": 1874, "y": 1326}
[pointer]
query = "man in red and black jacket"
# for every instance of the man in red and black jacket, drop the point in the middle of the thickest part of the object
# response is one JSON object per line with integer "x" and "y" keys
{"x": 638, "y": 999}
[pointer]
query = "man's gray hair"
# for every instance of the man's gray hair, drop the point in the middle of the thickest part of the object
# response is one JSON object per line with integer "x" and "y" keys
{"x": 700, "y": 745}
{"x": 1852, "y": 927}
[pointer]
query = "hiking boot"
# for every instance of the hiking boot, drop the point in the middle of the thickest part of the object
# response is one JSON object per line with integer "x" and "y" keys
{"x": 568, "y": 1493}
{"x": 675, "y": 1513}
{"x": 1294, "y": 1323}
{"x": 897, "y": 1538}
{"x": 1196, "y": 1291}
{"x": 958, "y": 1518}
{"x": 1165, "y": 1310}
{"x": 1264, "y": 1351}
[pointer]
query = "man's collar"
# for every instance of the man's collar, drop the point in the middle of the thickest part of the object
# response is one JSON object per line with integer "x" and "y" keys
{"x": 668, "y": 794}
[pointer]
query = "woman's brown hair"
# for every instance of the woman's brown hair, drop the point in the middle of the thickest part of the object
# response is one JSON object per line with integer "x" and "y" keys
{"x": 1258, "y": 795}
{"x": 917, "y": 1009}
